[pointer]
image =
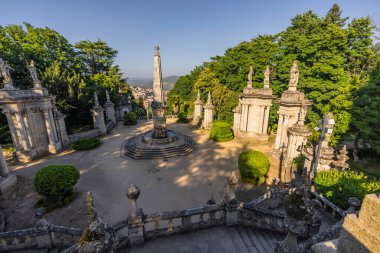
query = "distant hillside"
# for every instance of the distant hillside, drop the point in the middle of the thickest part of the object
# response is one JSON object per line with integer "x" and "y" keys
{"x": 169, "y": 82}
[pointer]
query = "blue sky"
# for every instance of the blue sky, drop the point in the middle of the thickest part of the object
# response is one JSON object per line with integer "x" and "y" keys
{"x": 189, "y": 32}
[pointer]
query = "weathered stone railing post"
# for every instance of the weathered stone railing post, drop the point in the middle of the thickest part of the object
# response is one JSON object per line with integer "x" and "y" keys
{"x": 231, "y": 201}
{"x": 135, "y": 222}
{"x": 44, "y": 241}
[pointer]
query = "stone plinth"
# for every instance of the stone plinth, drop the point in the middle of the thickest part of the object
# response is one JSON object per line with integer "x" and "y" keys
{"x": 208, "y": 113}
{"x": 98, "y": 117}
{"x": 62, "y": 129}
{"x": 110, "y": 108}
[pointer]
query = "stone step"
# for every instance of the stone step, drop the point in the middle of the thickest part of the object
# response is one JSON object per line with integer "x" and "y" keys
{"x": 263, "y": 241}
{"x": 237, "y": 241}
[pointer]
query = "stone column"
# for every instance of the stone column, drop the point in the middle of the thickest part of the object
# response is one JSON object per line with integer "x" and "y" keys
{"x": 24, "y": 135}
{"x": 62, "y": 129}
{"x": 12, "y": 128}
{"x": 266, "y": 120}
{"x": 244, "y": 117}
{"x": 237, "y": 119}
{"x": 48, "y": 127}
{"x": 261, "y": 119}
{"x": 208, "y": 113}
{"x": 3, "y": 164}
{"x": 52, "y": 123}
{"x": 197, "y": 109}
{"x": 279, "y": 131}
{"x": 251, "y": 122}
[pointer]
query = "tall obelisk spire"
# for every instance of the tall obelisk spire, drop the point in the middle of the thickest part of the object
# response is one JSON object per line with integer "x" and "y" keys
{"x": 158, "y": 95}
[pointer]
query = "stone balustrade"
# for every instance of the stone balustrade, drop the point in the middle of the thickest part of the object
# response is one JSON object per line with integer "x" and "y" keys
{"x": 46, "y": 236}
{"x": 328, "y": 207}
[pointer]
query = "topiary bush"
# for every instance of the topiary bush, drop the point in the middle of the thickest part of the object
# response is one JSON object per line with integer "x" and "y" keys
{"x": 338, "y": 186}
{"x": 221, "y": 132}
{"x": 86, "y": 144}
{"x": 55, "y": 182}
{"x": 253, "y": 166}
{"x": 130, "y": 118}
{"x": 182, "y": 118}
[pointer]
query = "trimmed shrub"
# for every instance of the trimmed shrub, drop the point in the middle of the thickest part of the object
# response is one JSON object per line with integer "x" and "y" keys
{"x": 253, "y": 166}
{"x": 338, "y": 186}
{"x": 130, "y": 118}
{"x": 86, "y": 144}
{"x": 55, "y": 182}
{"x": 221, "y": 131}
{"x": 182, "y": 118}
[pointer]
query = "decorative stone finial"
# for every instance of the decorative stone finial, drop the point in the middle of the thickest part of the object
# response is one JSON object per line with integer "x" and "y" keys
{"x": 96, "y": 100}
{"x": 156, "y": 50}
{"x": 250, "y": 74}
{"x": 342, "y": 158}
{"x": 209, "y": 104}
{"x": 294, "y": 75}
{"x": 4, "y": 72}
{"x": 354, "y": 203}
{"x": 33, "y": 73}
{"x": 133, "y": 192}
{"x": 107, "y": 96}
{"x": 199, "y": 95}
{"x": 266, "y": 78}
{"x": 92, "y": 214}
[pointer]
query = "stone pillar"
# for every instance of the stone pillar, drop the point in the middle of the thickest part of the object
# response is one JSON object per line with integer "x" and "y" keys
{"x": 266, "y": 120}
{"x": 7, "y": 180}
{"x": 237, "y": 119}
{"x": 110, "y": 108}
{"x": 53, "y": 146}
{"x": 244, "y": 117}
{"x": 52, "y": 123}
{"x": 231, "y": 203}
{"x": 12, "y": 128}
{"x": 135, "y": 219}
{"x": 197, "y": 109}
{"x": 279, "y": 131}
{"x": 208, "y": 113}
{"x": 261, "y": 119}
{"x": 98, "y": 116}
{"x": 284, "y": 132}
{"x": 62, "y": 129}
{"x": 24, "y": 135}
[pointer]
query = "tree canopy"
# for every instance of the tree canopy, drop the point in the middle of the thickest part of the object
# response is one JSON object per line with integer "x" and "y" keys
{"x": 336, "y": 58}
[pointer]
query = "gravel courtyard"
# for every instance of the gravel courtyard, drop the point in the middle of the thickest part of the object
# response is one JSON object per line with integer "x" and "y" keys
{"x": 176, "y": 183}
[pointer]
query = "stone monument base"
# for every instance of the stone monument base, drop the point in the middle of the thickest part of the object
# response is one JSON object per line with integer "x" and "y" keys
{"x": 7, "y": 183}
{"x": 24, "y": 156}
{"x": 139, "y": 147}
{"x": 252, "y": 136}
{"x": 55, "y": 148}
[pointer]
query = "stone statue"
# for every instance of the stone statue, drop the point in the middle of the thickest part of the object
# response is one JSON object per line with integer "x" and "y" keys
{"x": 294, "y": 75}
{"x": 4, "y": 71}
{"x": 33, "y": 72}
{"x": 266, "y": 77}
{"x": 156, "y": 50}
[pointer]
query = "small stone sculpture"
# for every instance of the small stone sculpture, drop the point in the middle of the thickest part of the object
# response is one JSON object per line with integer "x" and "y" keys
{"x": 294, "y": 75}
{"x": 4, "y": 71}
{"x": 33, "y": 72}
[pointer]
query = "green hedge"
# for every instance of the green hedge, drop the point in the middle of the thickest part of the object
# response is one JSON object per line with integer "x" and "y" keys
{"x": 130, "y": 118}
{"x": 338, "y": 186}
{"x": 253, "y": 166}
{"x": 182, "y": 118}
{"x": 86, "y": 144}
{"x": 221, "y": 131}
{"x": 56, "y": 181}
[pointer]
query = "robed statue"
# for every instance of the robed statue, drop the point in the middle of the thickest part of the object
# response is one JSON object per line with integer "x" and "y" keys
{"x": 4, "y": 71}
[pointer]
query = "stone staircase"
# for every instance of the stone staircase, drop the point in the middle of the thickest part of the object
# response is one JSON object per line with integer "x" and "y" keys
{"x": 139, "y": 152}
{"x": 258, "y": 241}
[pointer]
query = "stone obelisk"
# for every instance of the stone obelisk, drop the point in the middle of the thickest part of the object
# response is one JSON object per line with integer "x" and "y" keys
{"x": 158, "y": 105}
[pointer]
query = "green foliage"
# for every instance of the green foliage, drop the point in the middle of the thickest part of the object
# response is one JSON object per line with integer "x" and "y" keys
{"x": 86, "y": 144}
{"x": 335, "y": 61}
{"x": 70, "y": 72}
{"x": 338, "y": 186}
{"x": 366, "y": 113}
{"x": 221, "y": 131}
{"x": 56, "y": 181}
{"x": 130, "y": 118}
{"x": 253, "y": 165}
{"x": 182, "y": 118}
